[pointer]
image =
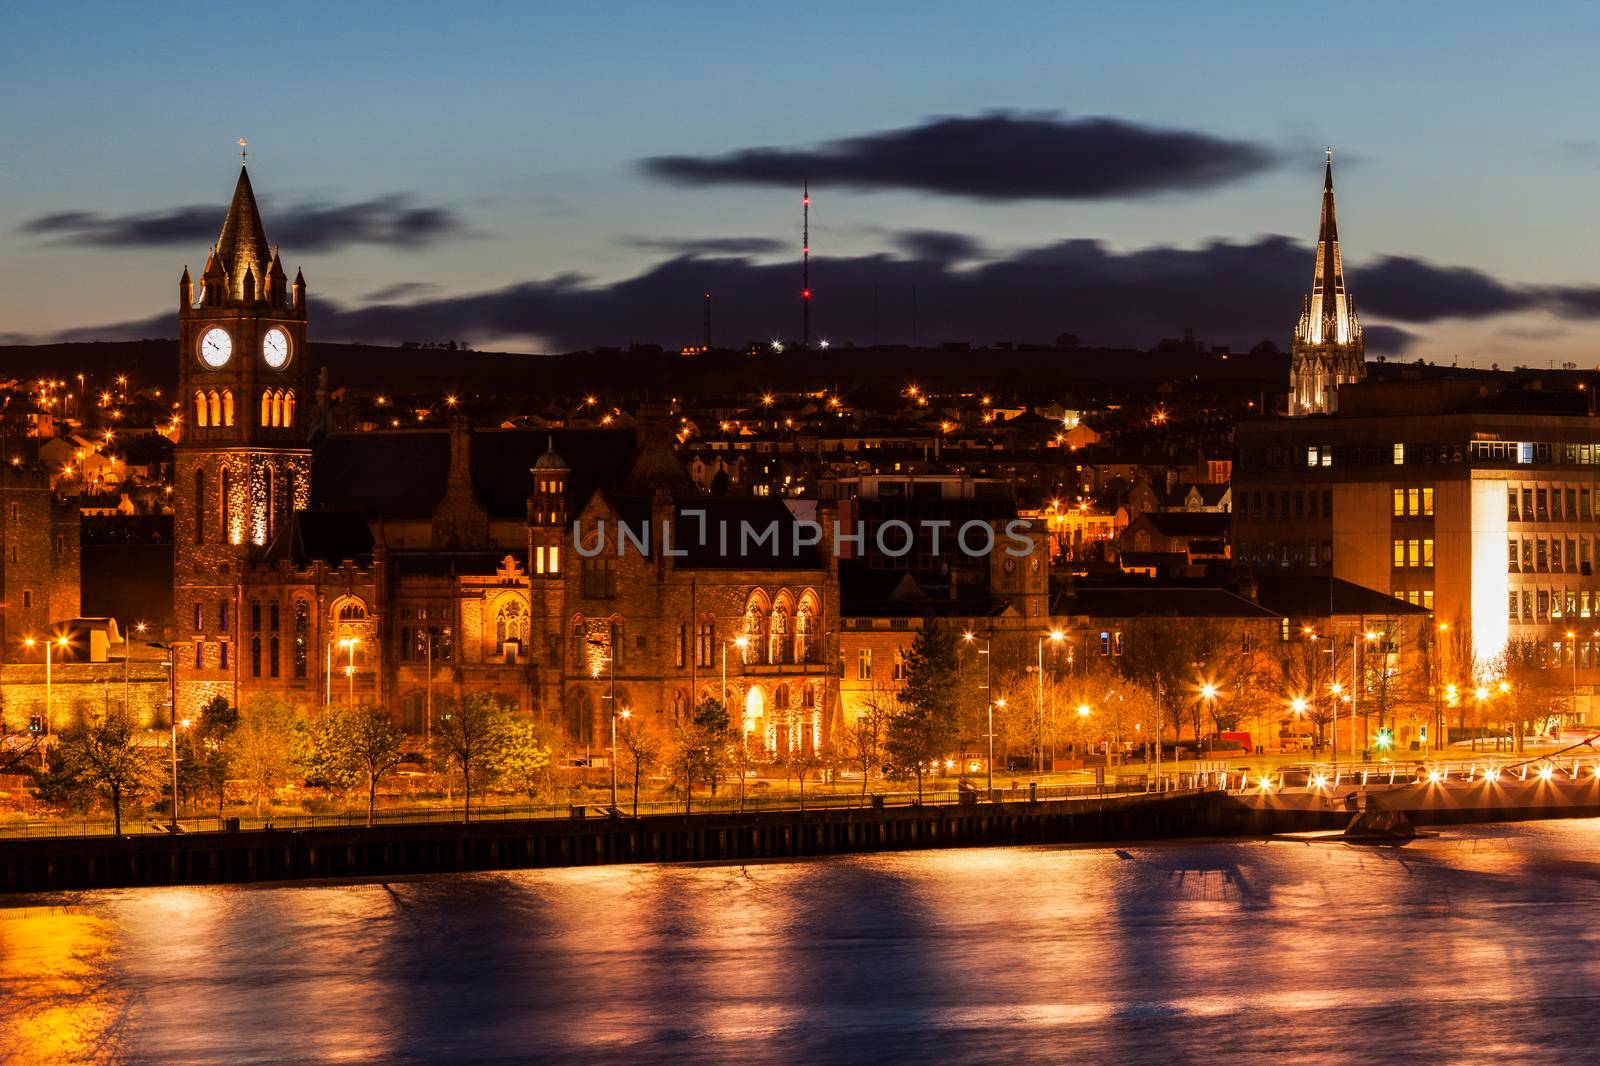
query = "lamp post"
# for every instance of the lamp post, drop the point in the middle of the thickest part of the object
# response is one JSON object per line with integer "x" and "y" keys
{"x": 349, "y": 645}
{"x": 172, "y": 680}
{"x": 1055, "y": 636}
{"x": 988, "y": 699}
{"x": 49, "y": 647}
{"x": 127, "y": 681}
{"x": 742, "y": 641}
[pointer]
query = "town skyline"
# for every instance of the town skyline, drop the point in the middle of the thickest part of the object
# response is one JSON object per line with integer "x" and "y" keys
{"x": 1127, "y": 212}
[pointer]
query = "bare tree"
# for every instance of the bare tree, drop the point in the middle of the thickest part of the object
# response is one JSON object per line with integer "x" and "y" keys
{"x": 867, "y": 731}
{"x": 467, "y": 736}
{"x": 639, "y": 751}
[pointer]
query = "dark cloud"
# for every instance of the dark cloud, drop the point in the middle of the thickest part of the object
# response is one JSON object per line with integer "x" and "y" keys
{"x": 999, "y": 155}
{"x": 1228, "y": 292}
{"x": 394, "y": 221}
{"x": 706, "y": 245}
{"x": 941, "y": 246}
{"x": 403, "y": 290}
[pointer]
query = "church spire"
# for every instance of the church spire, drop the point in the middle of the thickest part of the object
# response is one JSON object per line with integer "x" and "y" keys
{"x": 1328, "y": 348}
{"x": 243, "y": 244}
{"x": 1331, "y": 318}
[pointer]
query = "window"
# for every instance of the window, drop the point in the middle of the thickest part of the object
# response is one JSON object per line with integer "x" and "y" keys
{"x": 510, "y": 626}
{"x": 1399, "y": 502}
{"x": 599, "y": 578}
{"x": 199, "y": 506}
{"x": 1511, "y": 505}
{"x": 1512, "y": 555}
{"x": 199, "y": 655}
{"x": 1542, "y": 500}
{"x": 899, "y": 664}
{"x": 222, "y": 616}
{"x": 1427, "y": 551}
{"x": 705, "y": 649}
{"x": 1399, "y": 455}
{"x": 255, "y": 616}
{"x": 352, "y": 611}
{"x": 200, "y": 410}
{"x": 199, "y": 618}
{"x": 1427, "y": 501}
{"x": 864, "y": 665}
{"x": 222, "y": 652}
{"x": 302, "y": 638}
{"x": 272, "y": 655}
{"x": 27, "y": 598}
{"x": 681, "y": 657}
{"x": 1399, "y": 553}
{"x": 227, "y": 407}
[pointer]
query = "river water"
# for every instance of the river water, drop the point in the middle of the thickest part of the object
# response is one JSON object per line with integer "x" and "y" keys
{"x": 1478, "y": 945}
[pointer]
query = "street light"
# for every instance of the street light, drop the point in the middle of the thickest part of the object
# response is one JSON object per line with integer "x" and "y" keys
{"x": 49, "y": 646}
{"x": 1055, "y": 636}
{"x": 349, "y": 645}
{"x": 988, "y": 698}
{"x": 742, "y": 641}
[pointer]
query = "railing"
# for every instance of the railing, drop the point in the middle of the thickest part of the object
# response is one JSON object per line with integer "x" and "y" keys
{"x": 722, "y": 803}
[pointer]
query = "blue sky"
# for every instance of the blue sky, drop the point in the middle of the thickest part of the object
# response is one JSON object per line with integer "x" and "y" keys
{"x": 1462, "y": 133}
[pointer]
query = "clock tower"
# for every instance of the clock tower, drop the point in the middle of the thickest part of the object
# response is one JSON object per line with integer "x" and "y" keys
{"x": 241, "y": 464}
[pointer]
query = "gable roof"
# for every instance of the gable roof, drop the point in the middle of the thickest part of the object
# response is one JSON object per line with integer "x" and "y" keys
{"x": 331, "y": 537}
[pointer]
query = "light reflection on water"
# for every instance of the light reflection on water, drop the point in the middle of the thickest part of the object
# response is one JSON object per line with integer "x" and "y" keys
{"x": 1478, "y": 944}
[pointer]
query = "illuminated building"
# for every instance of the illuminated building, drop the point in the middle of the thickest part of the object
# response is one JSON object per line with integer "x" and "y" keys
{"x": 1479, "y": 501}
{"x": 1328, "y": 351}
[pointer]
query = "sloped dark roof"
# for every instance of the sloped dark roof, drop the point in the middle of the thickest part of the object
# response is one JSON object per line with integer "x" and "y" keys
{"x": 402, "y": 474}
{"x": 702, "y": 538}
{"x": 332, "y": 537}
{"x": 870, "y": 592}
{"x": 1207, "y": 524}
{"x": 450, "y": 563}
{"x": 1156, "y": 601}
{"x": 1311, "y": 596}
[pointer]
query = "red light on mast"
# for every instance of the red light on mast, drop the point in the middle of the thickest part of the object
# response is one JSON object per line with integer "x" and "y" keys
{"x": 806, "y": 294}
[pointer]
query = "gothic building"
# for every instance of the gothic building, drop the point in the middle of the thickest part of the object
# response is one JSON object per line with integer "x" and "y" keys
{"x": 1328, "y": 350}
{"x": 408, "y": 568}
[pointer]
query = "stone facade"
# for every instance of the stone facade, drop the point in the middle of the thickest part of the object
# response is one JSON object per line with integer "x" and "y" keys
{"x": 39, "y": 559}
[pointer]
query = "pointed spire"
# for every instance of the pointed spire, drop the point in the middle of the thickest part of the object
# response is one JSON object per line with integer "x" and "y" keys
{"x": 1330, "y": 318}
{"x": 243, "y": 242}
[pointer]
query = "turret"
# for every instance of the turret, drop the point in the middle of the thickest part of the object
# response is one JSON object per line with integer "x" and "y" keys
{"x": 299, "y": 290}
{"x": 277, "y": 283}
{"x": 185, "y": 290}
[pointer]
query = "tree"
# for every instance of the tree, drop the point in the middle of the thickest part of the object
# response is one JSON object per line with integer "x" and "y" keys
{"x": 103, "y": 757}
{"x": 204, "y": 762}
{"x": 520, "y": 759}
{"x": 638, "y": 752}
{"x": 265, "y": 743}
{"x": 1538, "y": 692}
{"x": 700, "y": 747}
{"x": 372, "y": 746}
{"x": 468, "y": 736}
{"x": 867, "y": 731}
{"x": 801, "y": 759}
{"x": 924, "y": 724}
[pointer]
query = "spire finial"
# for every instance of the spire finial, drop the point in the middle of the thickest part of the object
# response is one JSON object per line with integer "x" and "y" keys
{"x": 244, "y": 153}
{"x": 1330, "y": 153}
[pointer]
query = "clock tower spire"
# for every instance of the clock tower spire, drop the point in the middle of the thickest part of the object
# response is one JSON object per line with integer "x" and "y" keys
{"x": 241, "y": 464}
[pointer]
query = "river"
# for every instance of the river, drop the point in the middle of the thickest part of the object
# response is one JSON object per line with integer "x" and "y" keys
{"x": 1480, "y": 944}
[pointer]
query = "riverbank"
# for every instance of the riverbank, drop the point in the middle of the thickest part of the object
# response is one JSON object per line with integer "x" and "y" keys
{"x": 398, "y": 850}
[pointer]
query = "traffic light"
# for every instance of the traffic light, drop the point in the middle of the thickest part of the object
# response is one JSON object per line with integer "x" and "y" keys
{"x": 35, "y": 724}
{"x": 1385, "y": 739}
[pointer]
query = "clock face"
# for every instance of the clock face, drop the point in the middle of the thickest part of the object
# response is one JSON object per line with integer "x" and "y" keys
{"x": 275, "y": 348}
{"x": 1009, "y": 565}
{"x": 215, "y": 347}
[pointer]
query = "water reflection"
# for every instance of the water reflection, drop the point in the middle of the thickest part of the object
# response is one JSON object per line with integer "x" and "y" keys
{"x": 1472, "y": 945}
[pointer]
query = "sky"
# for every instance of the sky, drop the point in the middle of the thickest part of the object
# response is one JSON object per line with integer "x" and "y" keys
{"x": 544, "y": 176}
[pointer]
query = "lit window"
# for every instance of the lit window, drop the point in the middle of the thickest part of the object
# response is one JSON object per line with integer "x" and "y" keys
{"x": 1399, "y": 455}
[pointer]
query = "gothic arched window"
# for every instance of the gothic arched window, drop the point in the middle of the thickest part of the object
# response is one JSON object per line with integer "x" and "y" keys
{"x": 510, "y": 625}
{"x": 755, "y": 630}
{"x": 352, "y": 611}
{"x": 288, "y": 408}
{"x": 804, "y": 624}
{"x": 200, "y": 409}
{"x": 778, "y": 643}
{"x": 223, "y": 503}
{"x": 302, "y": 637}
{"x": 266, "y": 408}
{"x": 227, "y": 407}
{"x": 216, "y": 408}
{"x": 580, "y": 717}
{"x": 199, "y": 506}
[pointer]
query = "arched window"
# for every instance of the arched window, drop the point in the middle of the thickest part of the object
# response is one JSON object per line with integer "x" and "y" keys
{"x": 200, "y": 409}
{"x": 225, "y": 490}
{"x": 778, "y": 643}
{"x": 255, "y": 656}
{"x": 780, "y": 698}
{"x": 579, "y": 651}
{"x": 216, "y": 408}
{"x": 199, "y": 506}
{"x": 302, "y": 637}
{"x": 510, "y": 625}
{"x": 227, "y": 407}
{"x": 804, "y": 625}
{"x": 272, "y": 617}
{"x": 272, "y": 654}
{"x": 288, "y": 408}
{"x": 580, "y": 717}
{"x": 255, "y": 616}
{"x": 755, "y": 629}
{"x": 266, "y": 408}
{"x": 352, "y": 610}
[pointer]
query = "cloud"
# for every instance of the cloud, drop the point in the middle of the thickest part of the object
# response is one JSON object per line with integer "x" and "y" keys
{"x": 1228, "y": 292}
{"x": 705, "y": 245}
{"x": 393, "y": 221}
{"x": 998, "y": 155}
{"x": 403, "y": 290}
{"x": 941, "y": 246}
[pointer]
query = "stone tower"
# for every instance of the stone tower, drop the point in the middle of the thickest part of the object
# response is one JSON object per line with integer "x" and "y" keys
{"x": 547, "y": 528}
{"x": 1328, "y": 350}
{"x": 241, "y": 465}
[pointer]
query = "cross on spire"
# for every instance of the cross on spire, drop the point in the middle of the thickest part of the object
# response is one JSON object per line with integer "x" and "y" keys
{"x": 243, "y": 151}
